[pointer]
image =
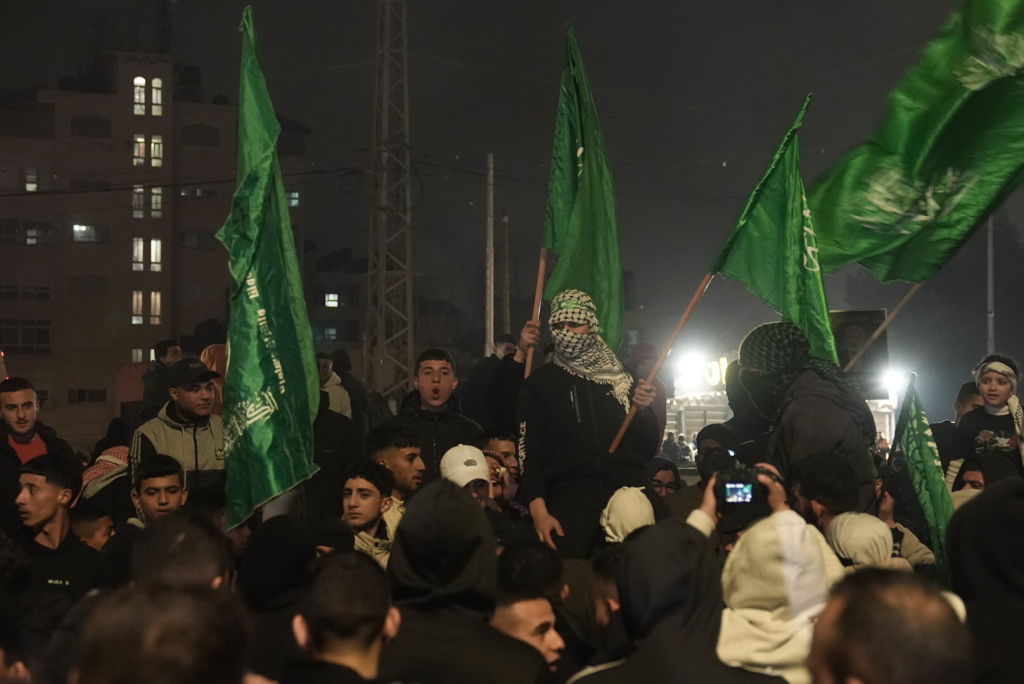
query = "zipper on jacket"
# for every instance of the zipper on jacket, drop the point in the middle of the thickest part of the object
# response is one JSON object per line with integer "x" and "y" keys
{"x": 574, "y": 400}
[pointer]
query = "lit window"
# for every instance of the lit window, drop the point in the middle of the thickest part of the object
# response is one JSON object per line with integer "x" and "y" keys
{"x": 331, "y": 300}
{"x": 137, "y": 356}
{"x": 156, "y": 202}
{"x": 155, "y": 254}
{"x": 138, "y": 201}
{"x": 152, "y": 354}
{"x": 139, "y": 96}
{"x": 139, "y": 150}
{"x": 31, "y": 180}
{"x": 293, "y": 198}
{"x": 330, "y": 334}
{"x": 156, "y": 99}
{"x": 81, "y": 233}
{"x": 138, "y": 254}
{"x": 156, "y": 150}
{"x": 32, "y": 236}
{"x": 137, "y": 307}
{"x": 154, "y": 307}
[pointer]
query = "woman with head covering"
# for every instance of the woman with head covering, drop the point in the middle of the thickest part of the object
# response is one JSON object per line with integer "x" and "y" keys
{"x": 814, "y": 406}
{"x": 992, "y": 433}
{"x": 569, "y": 412}
{"x": 671, "y": 604}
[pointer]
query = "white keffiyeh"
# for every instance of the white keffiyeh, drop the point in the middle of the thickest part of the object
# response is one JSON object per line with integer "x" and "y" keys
{"x": 1013, "y": 405}
{"x": 586, "y": 356}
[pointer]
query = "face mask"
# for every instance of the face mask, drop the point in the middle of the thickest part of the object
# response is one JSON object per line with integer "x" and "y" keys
{"x": 572, "y": 345}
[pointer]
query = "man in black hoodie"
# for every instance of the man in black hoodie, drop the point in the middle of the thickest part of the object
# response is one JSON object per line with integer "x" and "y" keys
{"x": 433, "y": 412}
{"x": 444, "y": 575}
{"x": 671, "y": 595}
{"x": 157, "y": 379}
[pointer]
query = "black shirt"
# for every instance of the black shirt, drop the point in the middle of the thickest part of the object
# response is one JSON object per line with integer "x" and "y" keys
{"x": 71, "y": 569}
{"x": 320, "y": 672}
{"x": 984, "y": 435}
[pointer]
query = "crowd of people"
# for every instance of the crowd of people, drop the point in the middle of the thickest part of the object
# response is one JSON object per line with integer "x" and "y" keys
{"x": 488, "y": 533}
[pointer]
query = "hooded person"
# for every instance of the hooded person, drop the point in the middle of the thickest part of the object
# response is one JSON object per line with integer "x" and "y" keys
{"x": 775, "y": 583}
{"x": 813, "y": 405}
{"x": 569, "y": 412}
{"x": 274, "y": 572}
{"x": 444, "y": 577}
{"x": 628, "y": 510}
{"x": 986, "y": 558}
{"x": 861, "y": 540}
{"x": 671, "y": 599}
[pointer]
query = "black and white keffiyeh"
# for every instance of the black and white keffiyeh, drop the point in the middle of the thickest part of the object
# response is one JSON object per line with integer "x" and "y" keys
{"x": 586, "y": 356}
{"x": 1013, "y": 405}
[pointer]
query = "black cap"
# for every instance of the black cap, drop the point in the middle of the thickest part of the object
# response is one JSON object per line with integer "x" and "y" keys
{"x": 190, "y": 371}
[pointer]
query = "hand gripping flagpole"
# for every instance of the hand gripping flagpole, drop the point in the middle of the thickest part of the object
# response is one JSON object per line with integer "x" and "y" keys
{"x": 538, "y": 296}
{"x": 665, "y": 351}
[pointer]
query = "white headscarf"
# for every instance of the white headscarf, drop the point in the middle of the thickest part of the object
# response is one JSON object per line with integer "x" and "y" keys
{"x": 1013, "y": 405}
{"x": 628, "y": 509}
{"x": 586, "y": 356}
{"x": 863, "y": 540}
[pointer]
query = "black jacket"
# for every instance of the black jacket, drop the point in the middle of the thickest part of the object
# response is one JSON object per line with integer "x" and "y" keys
{"x": 444, "y": 576}
{"x": 817, "y": 416}
{"x": 503, "y": 394}
{"x": 337, "y": 448}
{"x": 156, "y": 382}
{"x": 439, "y": 431}
{"x": 72, "y": 569}
{"x": 671, "y": 595}
{"x": 360, "y": 399}
{"x": 10, "y": 469}
{"x": 567, "y": 424}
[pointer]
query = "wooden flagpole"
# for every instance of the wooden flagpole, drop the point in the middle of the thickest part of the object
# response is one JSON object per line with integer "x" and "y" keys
{"x": 665, "y": 351}
{"x": 538, "y": 296}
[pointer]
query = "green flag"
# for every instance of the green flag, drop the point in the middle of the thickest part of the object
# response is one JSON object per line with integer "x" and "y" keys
{"x": 950, "y": 147}
{"x": 773, "y": 250}
{"x": 580, "y": 223}
{"x": 271, "y": 391}
{"x": 914, "y": 438}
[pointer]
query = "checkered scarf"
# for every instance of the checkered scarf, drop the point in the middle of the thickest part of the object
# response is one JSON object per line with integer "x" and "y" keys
{"x": 781, "y": 352}
{"x": 1013, "y": 406}
{"x": 586, "y": 356}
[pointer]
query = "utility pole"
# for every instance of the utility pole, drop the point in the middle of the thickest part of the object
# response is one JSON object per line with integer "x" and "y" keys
{"x": 506, "y": 274}
{"x": 489, "y": 258}
{"x": 389, "y": 312}
{"x": 990, "y": 338}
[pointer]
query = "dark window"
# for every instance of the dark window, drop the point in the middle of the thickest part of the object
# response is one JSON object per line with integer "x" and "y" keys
{"x": 88, "y": 286}
{"x": 34, "y": 120}
{"x": 90, "y": 126}
{"x": 87, "y": 396}
{"x": 26, "y": 335}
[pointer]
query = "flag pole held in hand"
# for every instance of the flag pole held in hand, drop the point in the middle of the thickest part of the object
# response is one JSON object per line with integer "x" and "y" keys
{"x": 538, "y": 296}
{"x": 665, "y": 351}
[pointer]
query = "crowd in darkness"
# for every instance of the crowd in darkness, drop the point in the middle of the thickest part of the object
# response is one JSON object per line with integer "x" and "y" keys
{"x": 486, "y": 533}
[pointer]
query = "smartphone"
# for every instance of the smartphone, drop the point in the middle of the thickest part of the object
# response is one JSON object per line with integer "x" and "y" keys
{"x": 739, "y": 492}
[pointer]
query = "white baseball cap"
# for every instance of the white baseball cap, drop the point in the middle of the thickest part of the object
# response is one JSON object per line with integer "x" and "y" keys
{"x": 463, "y": 464}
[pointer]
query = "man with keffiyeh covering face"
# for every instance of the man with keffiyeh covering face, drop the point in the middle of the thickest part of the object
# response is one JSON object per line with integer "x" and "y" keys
{"x": 813, "y": 406}
{"x": 569, "y": 412}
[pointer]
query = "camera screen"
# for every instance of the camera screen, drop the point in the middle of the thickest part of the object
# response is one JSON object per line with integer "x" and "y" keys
{"x": 739, "y": 492}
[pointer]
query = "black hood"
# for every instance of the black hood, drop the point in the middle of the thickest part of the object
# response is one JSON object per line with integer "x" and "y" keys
{"x": 443, "y": 555}
{"x": 277, "y": 564}
{"x": 986, "y": 558}
{"x": 670, "y": 586}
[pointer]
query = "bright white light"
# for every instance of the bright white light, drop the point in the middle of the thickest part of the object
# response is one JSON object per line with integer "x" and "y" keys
{"x": 894, "y": 380}
{"x": 689, "y": 368}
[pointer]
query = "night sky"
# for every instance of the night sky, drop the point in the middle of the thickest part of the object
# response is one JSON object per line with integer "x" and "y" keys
{"x": 693, "y": 98}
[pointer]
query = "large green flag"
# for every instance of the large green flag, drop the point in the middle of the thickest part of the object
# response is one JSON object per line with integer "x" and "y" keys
{"x": 271, "y": 391}
{"x": 580, "y": 224}
{"x": 950, "y": 147}
{"x": 914, "y": 438}
{"x": 773, "y": 250}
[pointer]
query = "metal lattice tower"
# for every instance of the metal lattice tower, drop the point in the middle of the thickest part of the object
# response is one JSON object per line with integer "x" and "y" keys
{"x": 389, "y": 327}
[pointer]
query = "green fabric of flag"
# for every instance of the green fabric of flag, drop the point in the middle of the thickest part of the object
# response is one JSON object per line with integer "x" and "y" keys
{"x": 950, "y": 147}
{"x": 580, "y": 224}
{"x": 271, "y": 392}
{"x": 773, "y": 251}
{"x": 914, "y": 438}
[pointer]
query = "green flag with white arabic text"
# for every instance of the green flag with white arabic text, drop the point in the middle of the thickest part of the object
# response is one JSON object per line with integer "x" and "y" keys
{"x": 772, "y": 250}
{"x": 914, "y": 438}
{"x": 580, "y": 225}
{"x": 272, "y": 391}
{"x": 950, "y": 148}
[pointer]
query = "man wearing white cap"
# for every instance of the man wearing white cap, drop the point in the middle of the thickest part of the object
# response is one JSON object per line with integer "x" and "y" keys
{"x": 466, "y": 466}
